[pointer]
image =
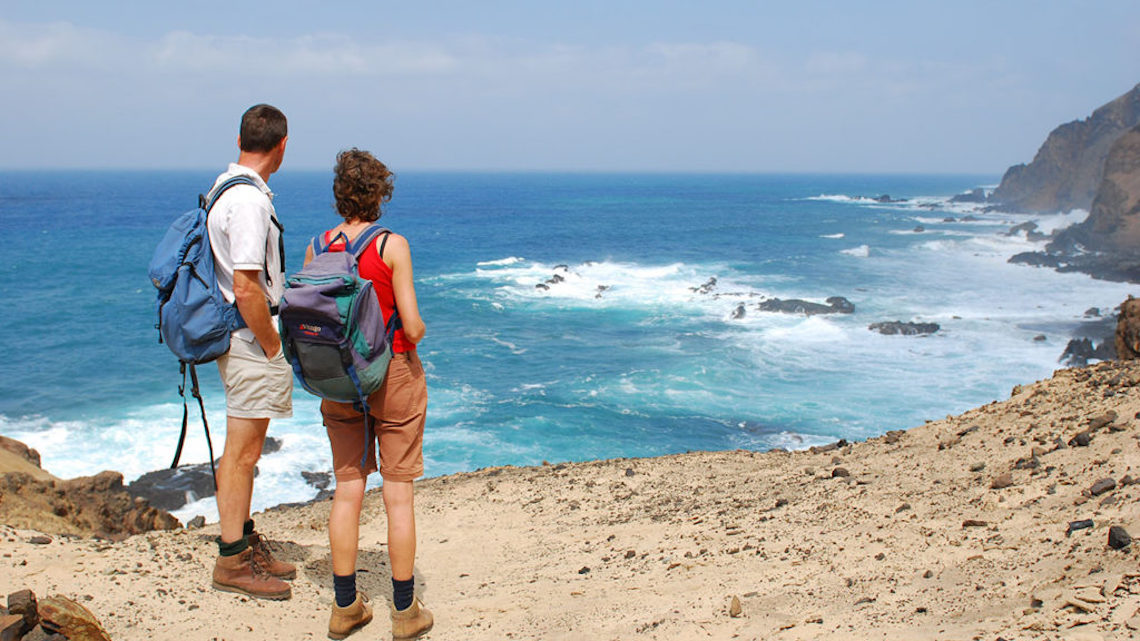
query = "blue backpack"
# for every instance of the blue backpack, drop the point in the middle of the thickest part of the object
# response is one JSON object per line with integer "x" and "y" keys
{"x": 194, "y": 318}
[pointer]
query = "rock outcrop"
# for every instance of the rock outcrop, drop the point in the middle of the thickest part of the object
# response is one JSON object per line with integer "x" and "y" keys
{"x": 835, "y": 305}
{"x": 1068, "y": 168}
{"x": 1128, "y": 330}
{"x": 1107, "y": 244}
{"x": 86, "y": 506}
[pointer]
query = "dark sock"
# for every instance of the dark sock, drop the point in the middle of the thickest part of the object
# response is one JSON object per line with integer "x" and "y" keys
{"x": 403, "y": 592}
{"x": 232, "y": 549}
{"x": 345, "y": 587}
{"x": 247, "y": 529}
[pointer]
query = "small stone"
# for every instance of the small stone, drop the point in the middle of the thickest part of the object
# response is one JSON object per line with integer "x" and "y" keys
{"x": 584, "y": 570}
{"x": 23, "y": 603}
{"x": 1082, "y": 439}
{"x": 734, "y": 609}
{"x": 196, "y": 522}
{"x": 974, "y": 523}
{"x": 928, "y": 574}
{"x": 902, "y": 508}
{"x": 781, "y": 502}
{"x": 1002, "y": 481}
{"x": 40, "y": 539}
{"x": 629, "y": 471}
{"x": 977, "y": 467}
{"x": 1118, "y": 538}
{"x": 1078, "y": 525}
{"x": 1127, "y": 480}
{"x": 1038, "y": 452}
{"x": 1102, "y": 486}
{"x": 880, "y": 556}
{"x": 1102, "y": 420}
{"x": 629, "y": 554}
{"x": 840, "y": 472}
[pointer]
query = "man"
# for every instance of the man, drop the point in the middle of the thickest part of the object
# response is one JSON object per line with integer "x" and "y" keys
{"x": 246, "y": 240}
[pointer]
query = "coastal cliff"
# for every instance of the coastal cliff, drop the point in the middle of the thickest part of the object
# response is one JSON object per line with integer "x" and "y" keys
{"x": 1107, "y": 243}
{"x": 1010, "y": 520}
{"x": 1068, "y": 168}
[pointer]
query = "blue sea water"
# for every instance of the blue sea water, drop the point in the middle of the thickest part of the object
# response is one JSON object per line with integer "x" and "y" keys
{"x": 624, "y": 356}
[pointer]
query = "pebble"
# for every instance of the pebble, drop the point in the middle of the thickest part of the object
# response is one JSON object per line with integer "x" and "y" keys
{"x": 1118, "y": 538}
{"x": 1001, "y": 482}
{"x": 902, "y": 508}
{"x": 1102, "y": 486}
{"x": 973, "y": 523}
{"x": 1078, "y": 525}
{"x": 629, "y": 554}
{"x": 584, "y": 570}
{"x": 1082, "y": 439}
{"x": 39, "y": 539}
{"x": 977, "y": 467}
{"x": 629, "y": 471}
{"x": 734, "y": 609}
{"x": 840, "y": 472}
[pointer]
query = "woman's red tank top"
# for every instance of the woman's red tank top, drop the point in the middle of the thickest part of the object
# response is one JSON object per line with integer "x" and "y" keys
{"x": 373, "y": 267}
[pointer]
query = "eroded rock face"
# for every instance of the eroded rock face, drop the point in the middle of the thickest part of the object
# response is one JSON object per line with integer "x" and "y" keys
{"x": 1128, "y": 330}
{"x": 1067, "y": 170}
{"x": 88, "y": 506}
{"x": 835, "y": 305}
{"x": 1113, "y": 224}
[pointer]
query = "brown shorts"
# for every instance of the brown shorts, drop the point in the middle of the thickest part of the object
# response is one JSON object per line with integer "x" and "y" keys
{"x": 398, "y": 410}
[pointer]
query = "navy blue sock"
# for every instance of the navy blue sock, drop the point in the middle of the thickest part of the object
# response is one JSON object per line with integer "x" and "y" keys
{"x": 247, "y": 529}
{"x": 403, "y": 592}
{"x": 345, "y": 587}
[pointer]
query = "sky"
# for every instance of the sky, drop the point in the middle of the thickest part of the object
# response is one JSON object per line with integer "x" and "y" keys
{"x": 728, "y": 86}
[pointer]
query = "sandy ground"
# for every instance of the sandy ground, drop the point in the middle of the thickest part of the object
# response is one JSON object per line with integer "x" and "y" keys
{"x": 901, "y": 537}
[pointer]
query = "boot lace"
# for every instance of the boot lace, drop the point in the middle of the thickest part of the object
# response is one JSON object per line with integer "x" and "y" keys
{"x": 262, "y": 557}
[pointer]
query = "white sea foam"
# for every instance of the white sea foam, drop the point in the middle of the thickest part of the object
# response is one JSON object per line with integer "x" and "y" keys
{"x": 510, "y": 260}
{"x": 862, "y": 251}
{"x": 839, "y": 235}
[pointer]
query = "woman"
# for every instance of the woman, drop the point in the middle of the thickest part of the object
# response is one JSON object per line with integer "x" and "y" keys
{"x": 361, "y": 184}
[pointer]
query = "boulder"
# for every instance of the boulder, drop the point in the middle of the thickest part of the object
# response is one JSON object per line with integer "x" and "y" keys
{"x": 1080, "y": 351}
{"x": 976, "y": 195}
{"x": 1127, "y": 338}
{"x": 64, "y": 616}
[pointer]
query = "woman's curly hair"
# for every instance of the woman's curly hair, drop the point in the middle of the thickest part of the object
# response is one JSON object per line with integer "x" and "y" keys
{"x": 361, "y": 183}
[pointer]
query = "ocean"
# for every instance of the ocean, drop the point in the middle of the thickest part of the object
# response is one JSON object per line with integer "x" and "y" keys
{"x": 633, "y": 350}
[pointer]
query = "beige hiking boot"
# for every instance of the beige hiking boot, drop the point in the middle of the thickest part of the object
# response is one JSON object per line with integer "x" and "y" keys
{"x": 243, "y": 574}
{"x": 263, "y": 552}
{"x": 347, "y": 619}
{"x": 412, "y": 622}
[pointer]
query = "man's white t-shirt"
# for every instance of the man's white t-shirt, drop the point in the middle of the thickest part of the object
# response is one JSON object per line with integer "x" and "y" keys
{"x": 244, "y": 235}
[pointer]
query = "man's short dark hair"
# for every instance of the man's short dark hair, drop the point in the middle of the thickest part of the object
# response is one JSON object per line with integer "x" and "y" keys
{"x": 263, "y": 127}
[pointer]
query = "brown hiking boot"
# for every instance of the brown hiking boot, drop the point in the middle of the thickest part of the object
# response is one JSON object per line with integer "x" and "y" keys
{"x": 263, "y": 551}
{"x": 347, "y": 619}
{"x": 411, "y": 622}
{"x": 242, "y": 573}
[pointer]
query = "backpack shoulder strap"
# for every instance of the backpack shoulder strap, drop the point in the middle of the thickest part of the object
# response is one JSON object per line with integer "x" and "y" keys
{"x": 215, "y": 194}
{"x": 364, "y": 239}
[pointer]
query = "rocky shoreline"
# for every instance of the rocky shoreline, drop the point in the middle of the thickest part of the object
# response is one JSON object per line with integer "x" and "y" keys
{"x": 1003, "y": 521}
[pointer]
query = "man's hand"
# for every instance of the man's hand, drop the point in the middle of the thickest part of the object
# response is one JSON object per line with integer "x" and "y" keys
{"x": 254, "y": 310}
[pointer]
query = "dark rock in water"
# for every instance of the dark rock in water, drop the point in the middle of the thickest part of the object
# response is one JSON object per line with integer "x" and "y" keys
{"x": 706, "y": 288}
{"x": 601, "y": 288}
{"x": 170, "y": 489}
{"x": 1069, "y": 166}
{"x": 319, "y": 480}
{"x": 919, "y": 229}
{"x": 1102, "y": 486}
{"x": 1127, "y": 336}
{"x": 1118, "y": 538}
{"x": 949, "y": 219}
{"x": 1026, "y": 227}
{"x": 886, "y": 198}
{"x": 1080, "y": 351}
{"x": 1092, "y": 312}
{"x": 1036, "y": 259}
{"x": 555, "y": 279}
{"x": 542, "y": 286}
{"x": 271, "y": 445}
{"x": 976, "y": 195}
{"x": 1039, "y": 338}
{"x": 893, "y": 328}
{"x": 970, "y": 219}
{"x": 564, "y": 268}
{"x": 738, "y": 313}
{"x": 835, "y": 305}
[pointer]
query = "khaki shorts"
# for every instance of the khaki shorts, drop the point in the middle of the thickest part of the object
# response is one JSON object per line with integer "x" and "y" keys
{"x": 256, "y": 387}
{"x": 398, "y": 410}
